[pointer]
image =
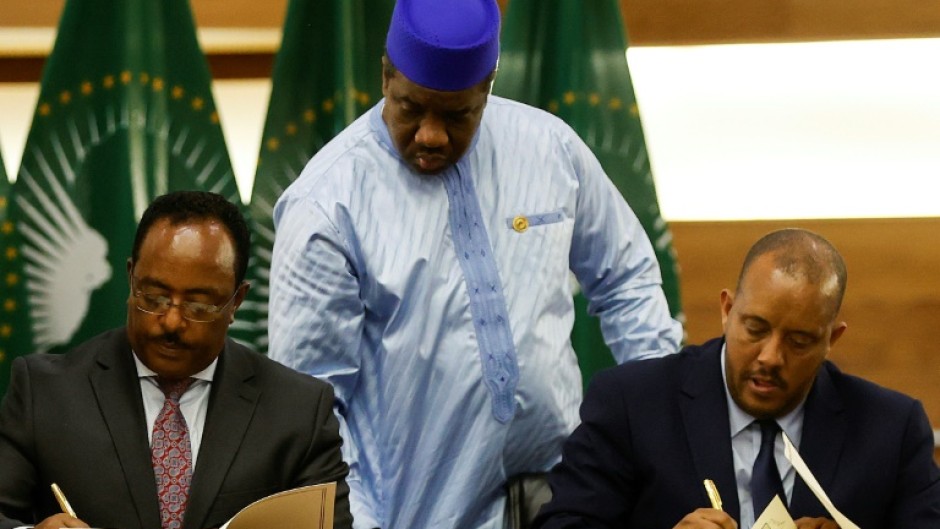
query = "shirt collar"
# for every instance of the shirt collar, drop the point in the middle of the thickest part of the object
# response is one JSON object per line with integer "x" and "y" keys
{"x": 791, "y": 423}
{"x": 381, "y": 129}
{"x": 206, "y": 374}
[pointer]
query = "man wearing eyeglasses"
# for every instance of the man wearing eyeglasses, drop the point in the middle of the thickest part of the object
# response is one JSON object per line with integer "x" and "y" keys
{"x": 166, "y": 423}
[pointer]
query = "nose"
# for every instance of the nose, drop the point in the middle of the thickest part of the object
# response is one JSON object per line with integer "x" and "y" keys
{"x": 431, "y": 132}
{"x": 173, "y": 319}
{"x": 771, "y": 352}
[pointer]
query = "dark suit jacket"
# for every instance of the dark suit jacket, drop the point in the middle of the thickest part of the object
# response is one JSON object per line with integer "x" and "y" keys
{"x": 78, "y": 420}
{"x": 653, "y": 430}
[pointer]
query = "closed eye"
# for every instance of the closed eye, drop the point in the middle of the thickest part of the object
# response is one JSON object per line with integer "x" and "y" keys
{"x": 802, "y": 341}
{"x": 756, "y": 334}
{"x": 200, "y": 308}
{"x": 457, "y": 116}
{"x": 756, "y": 328}
{"x": 408, "y": 107}
{"x": 155, "y": 300}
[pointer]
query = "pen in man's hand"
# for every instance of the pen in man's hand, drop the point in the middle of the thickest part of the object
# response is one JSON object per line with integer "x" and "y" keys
{"x": 713, "y": 496}
{"x": 63, "y": 503}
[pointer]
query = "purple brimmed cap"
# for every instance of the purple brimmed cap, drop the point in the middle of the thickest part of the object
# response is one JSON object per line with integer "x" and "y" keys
{"x": 444, "y": 44}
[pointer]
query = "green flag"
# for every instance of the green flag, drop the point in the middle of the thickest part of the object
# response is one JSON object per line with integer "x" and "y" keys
{"x": 569, "y": 58}
{"x": 326, "y": 74}
{"x": 125, "y": 113}
{"x": 15, "y": 335}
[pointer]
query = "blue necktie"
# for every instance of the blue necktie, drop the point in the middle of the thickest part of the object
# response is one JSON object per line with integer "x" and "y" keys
{"x": 765, "y": 478}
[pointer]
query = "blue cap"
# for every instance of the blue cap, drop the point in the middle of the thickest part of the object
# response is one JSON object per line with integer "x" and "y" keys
{"x": 445, "y": 45}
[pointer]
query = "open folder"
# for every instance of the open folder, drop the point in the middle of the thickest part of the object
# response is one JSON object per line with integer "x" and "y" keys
{"x": 309, "y": 507}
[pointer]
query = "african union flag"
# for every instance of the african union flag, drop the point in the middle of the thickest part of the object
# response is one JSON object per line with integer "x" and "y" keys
{"x": 125, "y": 113}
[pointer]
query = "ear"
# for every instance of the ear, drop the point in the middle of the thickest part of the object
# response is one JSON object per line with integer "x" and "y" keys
{"x": 837, "y": 331}
{"x": 130, "y": 282}
{"x": 240, "y": 295}
{"x": 385, "y": 77}
{"x": 727, "y": 301}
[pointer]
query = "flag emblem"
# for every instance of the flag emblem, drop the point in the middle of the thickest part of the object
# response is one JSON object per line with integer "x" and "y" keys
{"x": 65, "y": 261}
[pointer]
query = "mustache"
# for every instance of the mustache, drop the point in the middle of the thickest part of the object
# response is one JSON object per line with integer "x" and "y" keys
{"x": 431, "y": 152}
{"x": 170, "y": 338}
{"x": 771, "y": 375}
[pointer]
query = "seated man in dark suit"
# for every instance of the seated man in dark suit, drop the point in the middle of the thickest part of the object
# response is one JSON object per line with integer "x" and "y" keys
{"x": 166, "y": 423}
{"x": 652, "y": 431}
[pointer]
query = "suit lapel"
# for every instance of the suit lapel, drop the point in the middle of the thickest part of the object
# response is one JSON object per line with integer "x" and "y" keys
{"x": 117, "y": 390}
{"x": 705, "y": 415}
{"x": 232, "y": 403}
{"x": 824, "y": 432}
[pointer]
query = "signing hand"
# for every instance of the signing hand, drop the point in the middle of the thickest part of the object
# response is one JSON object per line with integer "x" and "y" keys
{"x": 707, "y": 519}
{"x": 60, "y": 520}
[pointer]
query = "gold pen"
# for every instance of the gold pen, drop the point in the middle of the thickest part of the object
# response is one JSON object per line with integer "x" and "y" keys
{"x": 63, "y": 503}
{"x": 713, "y": 496}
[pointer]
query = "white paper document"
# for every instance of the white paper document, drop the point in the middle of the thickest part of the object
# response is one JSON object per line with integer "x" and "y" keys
{"x": 775, "y": 516}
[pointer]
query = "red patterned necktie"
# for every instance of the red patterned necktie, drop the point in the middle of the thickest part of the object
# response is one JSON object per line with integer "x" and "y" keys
{"x": 172, "y": 455}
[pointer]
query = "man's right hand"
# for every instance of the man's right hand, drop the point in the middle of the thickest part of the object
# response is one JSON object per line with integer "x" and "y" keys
{"x": 61, "y": 520}
{"x": 705, "y": 518}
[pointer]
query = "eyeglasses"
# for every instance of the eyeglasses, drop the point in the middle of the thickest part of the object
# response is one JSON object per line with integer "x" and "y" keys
{"x": 190, "y": 310}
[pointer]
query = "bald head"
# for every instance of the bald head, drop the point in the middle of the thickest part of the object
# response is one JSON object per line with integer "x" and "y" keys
{"x": 802, "y": 254}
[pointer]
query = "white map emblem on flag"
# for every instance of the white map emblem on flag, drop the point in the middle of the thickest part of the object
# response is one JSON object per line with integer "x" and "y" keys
{"x": 66, "y": 261}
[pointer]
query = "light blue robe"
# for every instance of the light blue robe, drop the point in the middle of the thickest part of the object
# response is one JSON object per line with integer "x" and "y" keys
{"x": 444, "y": 330}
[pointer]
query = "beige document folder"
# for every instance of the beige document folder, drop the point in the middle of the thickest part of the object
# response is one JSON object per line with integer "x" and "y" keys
{"x": 309, "y": 507}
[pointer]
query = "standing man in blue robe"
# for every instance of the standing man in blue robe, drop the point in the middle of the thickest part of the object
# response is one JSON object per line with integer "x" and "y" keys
{"x": 421, "y": 266}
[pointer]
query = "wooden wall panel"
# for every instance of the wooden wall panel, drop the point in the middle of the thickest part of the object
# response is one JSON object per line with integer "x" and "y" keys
{"x": 34, "y": 13}
{"x": 208, "y": 13}
{"x": 650, "y": 22}
{"x": 892, "y": 301}
{"x": 221, "y": 66}
{"x": 239, "y": 13}
{"x": 672, "y": 22}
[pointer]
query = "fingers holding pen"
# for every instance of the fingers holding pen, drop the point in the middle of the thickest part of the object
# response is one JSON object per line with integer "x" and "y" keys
{"x": 706, "y": 518}
{"x": 60, "y": 520}
{"x": 66, "y": 518}
{"x": 713, "y": 518}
